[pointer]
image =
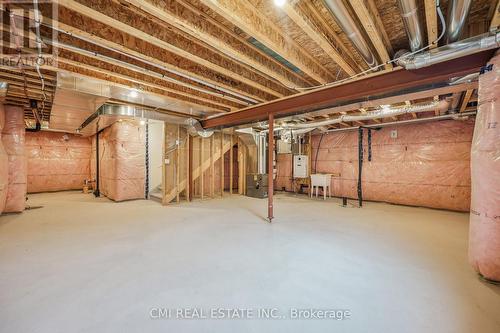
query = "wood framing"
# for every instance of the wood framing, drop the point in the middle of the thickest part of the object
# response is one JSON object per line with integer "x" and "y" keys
{"x": 431, "y": 22}
{"x": 466, "y": 99}
{"x": 254, "y": 24}
{"x": 309, "y": 29}
{"x": 371, "y": 29}
{"x": 495, "y": 19}
{"x": 208, "y": 33}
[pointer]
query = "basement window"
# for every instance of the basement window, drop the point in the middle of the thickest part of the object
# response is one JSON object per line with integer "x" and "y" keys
{"x": 273, "y": 54}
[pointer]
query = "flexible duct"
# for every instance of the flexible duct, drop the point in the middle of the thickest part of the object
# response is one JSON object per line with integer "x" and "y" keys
{"x": 455, "y": 50}
{"x": 346, "y": 23}
{"x": 409, "y": 12}
{"x": 457, "y": 14}
{"x": 194, "y": 128}
{"x": 381, "y": 113}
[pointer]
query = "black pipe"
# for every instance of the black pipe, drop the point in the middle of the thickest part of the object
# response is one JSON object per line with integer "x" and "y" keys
{"x": 146, "y": 187}
{"x": 369, "y": 145}
{"x": 34, "y": 109}
{"x": 317, "y": 151}
{"x": 97, "y": 193}
{"x": 38, "y": 127}
{"x": 360, "y": 166}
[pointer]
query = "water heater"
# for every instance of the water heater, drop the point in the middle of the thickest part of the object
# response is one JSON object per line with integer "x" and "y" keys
{"x": 300, "y": 169}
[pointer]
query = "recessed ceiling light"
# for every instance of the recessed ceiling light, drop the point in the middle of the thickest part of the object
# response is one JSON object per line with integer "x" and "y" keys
{"x": 133, "y": 93}
{"x": 142, "y": 122}
{"x": 279, "y": 3}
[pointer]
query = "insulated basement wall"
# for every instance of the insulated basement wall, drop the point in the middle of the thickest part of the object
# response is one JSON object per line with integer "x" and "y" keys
{"x": 425, "y": 165}
{"x": 122, "y": 154}
{"x": 284, "y": 172}
{"x": 4, "y": 165}
{"x": 484, "y": 243}
{"x": 57, "y": 161}
{"x": 13, "y": 138}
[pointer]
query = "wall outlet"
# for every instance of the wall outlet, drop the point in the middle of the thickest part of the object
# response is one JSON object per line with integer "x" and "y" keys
{"x": 167, "y": 161}
{"x": 394, "y": 134}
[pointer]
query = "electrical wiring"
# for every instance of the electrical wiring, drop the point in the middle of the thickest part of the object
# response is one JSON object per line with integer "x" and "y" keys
{"x": 39, "y": 48}
{"x": 395, "y": 60}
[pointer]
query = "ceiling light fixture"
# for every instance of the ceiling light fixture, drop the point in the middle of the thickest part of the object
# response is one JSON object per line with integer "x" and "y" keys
{"x": 133, "y": 93}
{"x": 279, "y": 3}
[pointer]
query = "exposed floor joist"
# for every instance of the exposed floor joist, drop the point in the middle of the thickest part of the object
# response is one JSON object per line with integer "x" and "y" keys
{"x": 371, "y": 29}
{"x": 176, "y": 49}
{"x": 254, "y": 24}
{"x": 206, "y": 33}
{"x": 305, "y": 25}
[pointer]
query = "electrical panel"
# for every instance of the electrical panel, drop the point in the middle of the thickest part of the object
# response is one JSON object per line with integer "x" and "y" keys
{"x": 300, "y": 166}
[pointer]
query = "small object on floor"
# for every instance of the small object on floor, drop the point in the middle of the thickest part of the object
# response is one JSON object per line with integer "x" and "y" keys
{"x": 33, "y": 207}
{"x": 344, "y": 202}
{"x": 86, "y": 189}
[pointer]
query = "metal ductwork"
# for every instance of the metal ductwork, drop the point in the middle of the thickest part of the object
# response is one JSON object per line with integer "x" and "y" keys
{"x": 256, "y": 141}
{"x": 347, "y": 24}
{"x": 261, "y": 142}
{"x": 194, "y": 128}
{"x": 455, "y": 50}
{"x": 107, "y": 114}
{"x": 384, "y": 112}
{"x": 409, "y": 12}
{"x": 458, "y": 10}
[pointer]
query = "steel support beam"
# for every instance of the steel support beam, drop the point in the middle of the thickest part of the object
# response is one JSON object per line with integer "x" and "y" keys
{"x": 389, "y": 83}
{"x": 270, "y": 159}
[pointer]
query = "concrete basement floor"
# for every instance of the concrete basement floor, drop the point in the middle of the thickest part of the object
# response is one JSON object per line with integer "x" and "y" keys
{"x": 81, "y": 264}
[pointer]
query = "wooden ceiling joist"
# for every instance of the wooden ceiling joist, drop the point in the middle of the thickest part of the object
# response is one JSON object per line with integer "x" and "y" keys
{"x": 19, "y": 83}
{"x": 208, "y": 34}
{"x": 466, "y": 99}
{"x": 190, "y": 77}
{"x": 377, "y": 19}
{"x": 331, "y": 34}
{"x": 431, "y": 22}
{"x": 136, "y": 76}
{"x": 230, "y": 30}
{"x": 6, "y": 75}
{"x": 99, "y": 73}
{"x": 179, "y": 81}
{"x": 322, "y": 42}
{"x": 366, "y": 19}
{"x": 495, "y": 19}
{"x": 248, "y": 19}
{"x": 149, "y": 37}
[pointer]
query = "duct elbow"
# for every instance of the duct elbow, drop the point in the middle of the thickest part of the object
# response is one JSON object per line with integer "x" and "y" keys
{"x": 194, "y": 128}
{"x": 455, "y": 50}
